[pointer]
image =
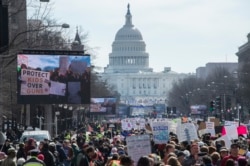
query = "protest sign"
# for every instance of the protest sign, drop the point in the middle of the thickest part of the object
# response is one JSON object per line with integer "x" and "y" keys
{"x": 230, "y": 131}
{"x": 34, "y": 82}
{"x": 160, "y": 132}
{"x": 210, "y": 128}
{"x": 187, "y": 132}
{"x": 138, "y": 145}
{"x": 57, "y": 88}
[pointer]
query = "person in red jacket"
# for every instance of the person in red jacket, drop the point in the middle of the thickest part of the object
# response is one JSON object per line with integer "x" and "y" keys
{"x": 234, "y": 154}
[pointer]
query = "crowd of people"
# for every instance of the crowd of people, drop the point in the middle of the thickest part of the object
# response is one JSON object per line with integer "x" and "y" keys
{"x": 111, "y": 150}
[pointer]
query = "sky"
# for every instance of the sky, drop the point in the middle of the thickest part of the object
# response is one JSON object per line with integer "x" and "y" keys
{"x": 181, "y": 34}
{"x": 42, "y": 61}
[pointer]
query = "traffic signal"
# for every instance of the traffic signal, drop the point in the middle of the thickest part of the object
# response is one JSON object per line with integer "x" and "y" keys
{"x": 174, "y": 110}
{"x": 218, "y": 103}
{"x": 212, "y": 104}
{"x": 168, "y": 110}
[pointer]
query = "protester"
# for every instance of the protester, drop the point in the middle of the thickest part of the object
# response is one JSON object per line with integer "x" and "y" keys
{"x": 170, "y": 148}
{"x": 30, "y": 145}
{"x": 76, "y": 150}
{"x": 61, "y": 153}
{"x": 2, "y": 157}
{"x": 223, "y": 152}
{"x": 126, "y": 161}
{"x": 20, "y": 161}
{"x": 181, "y": 156}
{"x": 33, "y": 161}
{"x": 216, "y": 160}
{"x": 173, "y": 161}
{"x": 234, "y": 154}
{"x": 6, "y": 146}
{"x": 68, "y": 151}
{"x": 21, "y": 151}
{"x": 144, "y": 161}
{"x": 87, "y": 158}
{"x": 47, "y": 155}
{"x": 10, "y": 160}
{"x": 191, "y": 160}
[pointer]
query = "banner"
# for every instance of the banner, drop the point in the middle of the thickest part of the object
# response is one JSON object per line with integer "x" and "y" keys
{"x": 34, "y": 82}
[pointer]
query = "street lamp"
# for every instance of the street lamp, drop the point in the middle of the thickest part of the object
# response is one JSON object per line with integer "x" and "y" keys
{"x": 57, "y": 113}
{"x": 64, "y": 25}
{"x": 40, "y": 118}
{"x": 238, "y": 107}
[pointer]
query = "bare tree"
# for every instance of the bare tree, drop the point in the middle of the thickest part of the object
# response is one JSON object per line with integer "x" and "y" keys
{"x": 21, "y": 36}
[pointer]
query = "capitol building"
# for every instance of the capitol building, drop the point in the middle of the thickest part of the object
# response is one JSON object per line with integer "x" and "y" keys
{"x": 128, "y": 70}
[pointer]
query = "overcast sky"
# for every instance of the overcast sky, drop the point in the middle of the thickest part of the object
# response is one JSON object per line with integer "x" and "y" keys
{"x": 181, "y": 34}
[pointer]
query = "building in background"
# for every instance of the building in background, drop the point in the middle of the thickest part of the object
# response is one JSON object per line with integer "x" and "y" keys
{"x": 129, "y": 73}
{"x": 204, "y": 72}
{"x": 244, "y": 53}
{"x": 13, "y": 22}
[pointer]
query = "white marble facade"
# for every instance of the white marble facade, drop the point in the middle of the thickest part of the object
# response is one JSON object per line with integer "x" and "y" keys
{"x": 129, "y": 72}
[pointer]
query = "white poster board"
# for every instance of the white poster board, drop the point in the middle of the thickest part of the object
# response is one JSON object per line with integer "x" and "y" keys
{"x": 210, "y": 128}
{"x": 138, "y": 145}
{"x": 57, "y": 88}
{"x": 187, "y": 132}
{"x": 34, "y": 82}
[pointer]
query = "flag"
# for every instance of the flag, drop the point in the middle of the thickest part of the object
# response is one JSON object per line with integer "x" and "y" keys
{"x": 223, "y": 131}
{"x": 242, "y": 130}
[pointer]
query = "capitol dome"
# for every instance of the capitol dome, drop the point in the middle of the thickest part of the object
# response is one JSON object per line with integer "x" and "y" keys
{"x": 128, "y": 50}
{"x": 128, "y": 31}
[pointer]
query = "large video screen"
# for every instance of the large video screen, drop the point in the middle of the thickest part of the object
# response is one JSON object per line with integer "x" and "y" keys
{"x": 141, "y": 110}
{"x": 53, "y": 79}
{"x": 103, "y": 105}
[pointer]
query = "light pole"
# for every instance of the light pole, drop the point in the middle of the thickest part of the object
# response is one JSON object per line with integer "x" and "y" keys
{"x": 238, "y": 107}
{"x": 57, "y": 113}
{"x": 40, "y": 118}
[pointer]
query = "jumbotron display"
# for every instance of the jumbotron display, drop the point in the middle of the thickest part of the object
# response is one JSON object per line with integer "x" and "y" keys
{"x": 53, "y": 79}
{"x": 103, "y": 105}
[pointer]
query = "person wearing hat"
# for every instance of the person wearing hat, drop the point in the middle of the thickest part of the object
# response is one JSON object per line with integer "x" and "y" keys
{"x": 9, "y": 161}
{"x": 34, "y": 161}
{"x": 20, "y": 161}
{"x": 223, "y": 152}
{"x": 30, "y": 144}
{"x": 2, "y": 157}
{"x": 21, "y": 152}
{"x": 234, "y": 154}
